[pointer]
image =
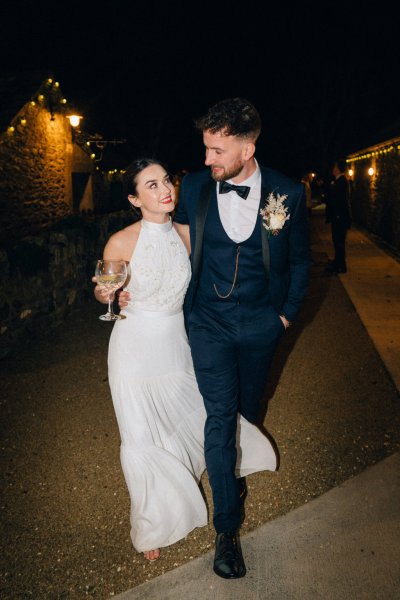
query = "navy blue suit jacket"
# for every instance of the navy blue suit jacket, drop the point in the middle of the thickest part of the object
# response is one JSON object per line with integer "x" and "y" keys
{"x": 286, "y": 256}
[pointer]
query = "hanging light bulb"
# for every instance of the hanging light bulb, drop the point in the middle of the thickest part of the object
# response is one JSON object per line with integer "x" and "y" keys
{"x": 74, "y": 120}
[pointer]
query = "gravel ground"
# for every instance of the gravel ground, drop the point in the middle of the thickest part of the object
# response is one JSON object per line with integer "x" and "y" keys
{"x": 330, "y": 406}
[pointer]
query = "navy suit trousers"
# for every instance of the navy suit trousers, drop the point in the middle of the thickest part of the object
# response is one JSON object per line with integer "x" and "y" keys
{"x": 231, "y": 360}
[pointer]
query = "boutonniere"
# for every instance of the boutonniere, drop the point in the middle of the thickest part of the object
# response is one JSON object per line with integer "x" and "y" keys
{"x": 274, "y": 213}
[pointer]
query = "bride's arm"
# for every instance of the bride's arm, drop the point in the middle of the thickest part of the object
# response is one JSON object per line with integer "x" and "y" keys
{"x": 183, "y": 232}
{"x": 120, "y": 246}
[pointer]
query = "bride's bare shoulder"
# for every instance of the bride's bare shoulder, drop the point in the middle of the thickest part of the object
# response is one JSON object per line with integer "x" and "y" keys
{"x": 184, "y": 234}
{"x": 122, "y": 243}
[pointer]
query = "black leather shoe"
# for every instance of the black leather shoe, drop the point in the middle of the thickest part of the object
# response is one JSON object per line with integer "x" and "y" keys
{"x": 242, "y": 494}
{"x": 228, "y": 559}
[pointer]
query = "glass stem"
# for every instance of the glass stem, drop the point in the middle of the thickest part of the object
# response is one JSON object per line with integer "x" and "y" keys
{"x": 110, "y": 303}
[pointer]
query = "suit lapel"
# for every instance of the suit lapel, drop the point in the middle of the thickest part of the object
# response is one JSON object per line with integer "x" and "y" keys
{"x": 202, "y": 207}
{"x": 264, "y": 232}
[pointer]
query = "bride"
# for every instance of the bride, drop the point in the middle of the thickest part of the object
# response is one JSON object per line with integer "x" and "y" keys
{"x": 158, "y": 406}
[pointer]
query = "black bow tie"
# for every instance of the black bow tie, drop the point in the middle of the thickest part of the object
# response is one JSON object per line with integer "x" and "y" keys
{"x": 241, "y": 190}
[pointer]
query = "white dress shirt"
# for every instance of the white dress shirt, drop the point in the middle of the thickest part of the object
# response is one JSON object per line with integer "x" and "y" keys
{"x": 238, "y": 216}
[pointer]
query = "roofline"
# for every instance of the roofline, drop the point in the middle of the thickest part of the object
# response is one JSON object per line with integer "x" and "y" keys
{"x": 390, "y": 142}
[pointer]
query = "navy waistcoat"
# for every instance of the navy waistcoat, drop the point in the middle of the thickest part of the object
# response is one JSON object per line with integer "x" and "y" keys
{"x": 218, "y": 267}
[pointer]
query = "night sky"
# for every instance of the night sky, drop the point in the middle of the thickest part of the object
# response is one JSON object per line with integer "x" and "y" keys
{"x": 324, "y": 75}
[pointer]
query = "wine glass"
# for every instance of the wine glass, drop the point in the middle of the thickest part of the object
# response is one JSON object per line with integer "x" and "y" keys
{"x": 112, "y": 274}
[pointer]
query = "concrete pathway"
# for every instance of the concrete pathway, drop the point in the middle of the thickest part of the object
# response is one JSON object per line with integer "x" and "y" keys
{"x": 346, "y": 543}
{"x": 373, "y": 285}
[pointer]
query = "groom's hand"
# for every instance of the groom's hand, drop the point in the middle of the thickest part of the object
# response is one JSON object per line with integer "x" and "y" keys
{"x": 284, "y": 321}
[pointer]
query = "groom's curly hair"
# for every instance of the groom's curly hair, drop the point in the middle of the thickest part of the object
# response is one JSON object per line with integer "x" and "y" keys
{"x": 233, "y": 116}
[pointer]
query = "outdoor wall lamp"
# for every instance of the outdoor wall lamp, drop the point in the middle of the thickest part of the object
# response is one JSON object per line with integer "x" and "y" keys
{"x": 371, "y": 171}
{"x": 74, "y": 120}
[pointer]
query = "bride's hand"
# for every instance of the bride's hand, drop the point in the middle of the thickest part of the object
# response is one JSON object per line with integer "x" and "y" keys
{"x": 123, "y": 299}
{"x": 101, "y": 293}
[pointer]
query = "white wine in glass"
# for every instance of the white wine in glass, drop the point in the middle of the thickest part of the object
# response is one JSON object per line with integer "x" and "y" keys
{"x": 112, "y": 274}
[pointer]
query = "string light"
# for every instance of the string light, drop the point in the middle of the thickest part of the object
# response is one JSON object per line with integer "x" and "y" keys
{"x": 48, "y": 96}
{"x": 378, "y": 150}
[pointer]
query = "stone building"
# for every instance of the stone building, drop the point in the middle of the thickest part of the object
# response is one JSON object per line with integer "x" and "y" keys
{"x": 375, "y": 175}
{"x": 45, "y": 173}
{"x": 60, "y": 201}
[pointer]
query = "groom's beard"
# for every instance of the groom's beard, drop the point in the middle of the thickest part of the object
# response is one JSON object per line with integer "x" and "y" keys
{"x": 226, "y": 174}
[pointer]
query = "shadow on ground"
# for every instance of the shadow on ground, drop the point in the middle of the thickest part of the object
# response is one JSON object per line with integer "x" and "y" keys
{"x": 332, "y": 411}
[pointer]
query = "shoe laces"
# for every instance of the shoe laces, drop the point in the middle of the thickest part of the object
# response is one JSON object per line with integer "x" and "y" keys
{"x": 229, "y": 540}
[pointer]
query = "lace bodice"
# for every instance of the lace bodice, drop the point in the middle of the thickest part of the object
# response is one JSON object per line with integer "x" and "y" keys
{"x": 160, "y": 269}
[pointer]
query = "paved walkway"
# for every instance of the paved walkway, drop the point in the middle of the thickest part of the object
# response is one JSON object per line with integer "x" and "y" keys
{"x": 344, "y": 544}
{"x": 373, "y": 285}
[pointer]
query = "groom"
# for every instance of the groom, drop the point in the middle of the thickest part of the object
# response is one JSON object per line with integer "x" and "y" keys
{"x": 250, "y": 268}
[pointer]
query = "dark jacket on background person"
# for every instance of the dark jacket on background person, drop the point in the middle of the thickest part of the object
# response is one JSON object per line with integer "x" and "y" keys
{"x": 338, "y": 209}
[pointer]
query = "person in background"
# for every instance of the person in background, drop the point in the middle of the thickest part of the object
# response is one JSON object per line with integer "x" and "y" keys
{"x": 338, "y": 214}
{"x": 306, "y": 181}
{"x": 177, "y": 180}
{"x": 318, "y": 188}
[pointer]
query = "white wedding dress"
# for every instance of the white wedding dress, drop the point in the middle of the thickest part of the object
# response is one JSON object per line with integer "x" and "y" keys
{"x": 157, "y": 403}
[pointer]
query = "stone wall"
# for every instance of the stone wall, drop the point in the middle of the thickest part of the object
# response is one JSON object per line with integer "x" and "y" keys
{"x": 376, "y": 200}
{"x": 45, "y": 276}
{"x": 44, "y": 175}
{"x": 33, "y": 171}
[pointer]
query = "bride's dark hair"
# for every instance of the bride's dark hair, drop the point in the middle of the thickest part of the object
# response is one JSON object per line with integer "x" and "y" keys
{"x": 136, "y": 167}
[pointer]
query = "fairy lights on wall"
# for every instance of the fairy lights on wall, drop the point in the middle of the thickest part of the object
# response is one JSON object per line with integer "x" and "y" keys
{"x": 372, "y": 154}
{"x": 366, "y": 155}
{"x": 50, "y": 98}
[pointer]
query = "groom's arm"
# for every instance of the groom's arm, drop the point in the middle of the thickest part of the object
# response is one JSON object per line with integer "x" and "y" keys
{"x": 184, "y": 211}
{"x": 299, "y": 259}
